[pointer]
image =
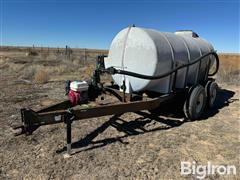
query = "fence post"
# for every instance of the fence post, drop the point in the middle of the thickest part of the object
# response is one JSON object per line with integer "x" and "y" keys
{"x": 66, "y": 50}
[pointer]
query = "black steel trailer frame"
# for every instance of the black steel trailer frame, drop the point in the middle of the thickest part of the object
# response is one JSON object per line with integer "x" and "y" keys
{"x": 65, "y": 112}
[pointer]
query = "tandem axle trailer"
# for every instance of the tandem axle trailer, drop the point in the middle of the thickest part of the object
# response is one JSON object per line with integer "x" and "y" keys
{"x": 196, "y": 98}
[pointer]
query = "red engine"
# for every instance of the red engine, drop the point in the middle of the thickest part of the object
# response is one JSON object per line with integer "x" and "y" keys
{"x": 77, "y": 92}
{"x": 74, "y": 97}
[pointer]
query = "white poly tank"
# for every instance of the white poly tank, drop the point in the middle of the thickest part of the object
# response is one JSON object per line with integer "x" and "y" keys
{"x": 150, "y": 52}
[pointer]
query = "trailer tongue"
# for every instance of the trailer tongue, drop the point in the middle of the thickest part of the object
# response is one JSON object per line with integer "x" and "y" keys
{"x": 132, "y": 96}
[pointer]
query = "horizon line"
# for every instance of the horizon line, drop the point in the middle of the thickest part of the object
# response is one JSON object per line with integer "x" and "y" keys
{"x": 82, "y": 48}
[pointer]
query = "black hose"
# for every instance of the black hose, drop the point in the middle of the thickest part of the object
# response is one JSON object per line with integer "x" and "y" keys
{"x": 112, "y": 70}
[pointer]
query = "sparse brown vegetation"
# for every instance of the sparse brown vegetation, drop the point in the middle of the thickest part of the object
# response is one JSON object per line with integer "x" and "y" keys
{"x": 28, "y": 72}
{"x": 41, "y": 76}
{"x": 229, "y": 71}
{"x": 31, "y": 53}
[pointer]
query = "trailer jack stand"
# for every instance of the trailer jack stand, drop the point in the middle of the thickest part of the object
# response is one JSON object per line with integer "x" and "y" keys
{"x": 68, "y": 119}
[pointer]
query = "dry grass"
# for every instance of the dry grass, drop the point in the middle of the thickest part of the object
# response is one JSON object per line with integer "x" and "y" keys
{"x": 228, "y": 76}
{"x": 229, "y": 68}
{"x": 31, "y": 53}
{"x": 41, "y": 76}
{"x": 230, "y": 61}
{"x": 88, "y": 70}
{"x": 29, "y": 72}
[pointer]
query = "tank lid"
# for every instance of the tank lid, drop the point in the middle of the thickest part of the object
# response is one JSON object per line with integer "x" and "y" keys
{"x": 187, "y": 33}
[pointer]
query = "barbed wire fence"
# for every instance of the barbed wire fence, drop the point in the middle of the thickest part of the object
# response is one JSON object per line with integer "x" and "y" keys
{"x": 82, "y": 55}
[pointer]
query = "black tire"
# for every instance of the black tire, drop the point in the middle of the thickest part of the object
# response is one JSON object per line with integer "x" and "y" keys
{"x": 211, "y": 90}
{"x": 186, "y": 102}
{"x": 195, "y": 103}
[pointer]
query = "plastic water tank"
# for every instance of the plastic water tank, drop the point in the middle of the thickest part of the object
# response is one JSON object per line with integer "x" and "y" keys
{"x": 150, "y": 52}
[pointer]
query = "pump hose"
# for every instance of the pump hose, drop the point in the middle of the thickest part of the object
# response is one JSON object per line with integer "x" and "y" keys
{"x": 112, "y": 70}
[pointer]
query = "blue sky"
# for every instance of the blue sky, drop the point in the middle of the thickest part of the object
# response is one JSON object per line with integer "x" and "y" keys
{"x": 93, "y": 24}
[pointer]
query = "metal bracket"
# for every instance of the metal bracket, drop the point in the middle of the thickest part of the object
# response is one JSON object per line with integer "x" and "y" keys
{"x": 27, "y": 126}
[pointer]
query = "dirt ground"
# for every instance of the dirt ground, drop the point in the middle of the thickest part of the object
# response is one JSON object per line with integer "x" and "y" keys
{"x": 130, "y": 146}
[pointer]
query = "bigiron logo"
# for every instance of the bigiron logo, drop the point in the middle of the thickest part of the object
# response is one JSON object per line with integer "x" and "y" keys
{"x": 201, "y": 171}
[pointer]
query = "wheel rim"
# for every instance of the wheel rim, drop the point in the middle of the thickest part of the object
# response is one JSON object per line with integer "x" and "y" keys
{"x": 199, "y": 105}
